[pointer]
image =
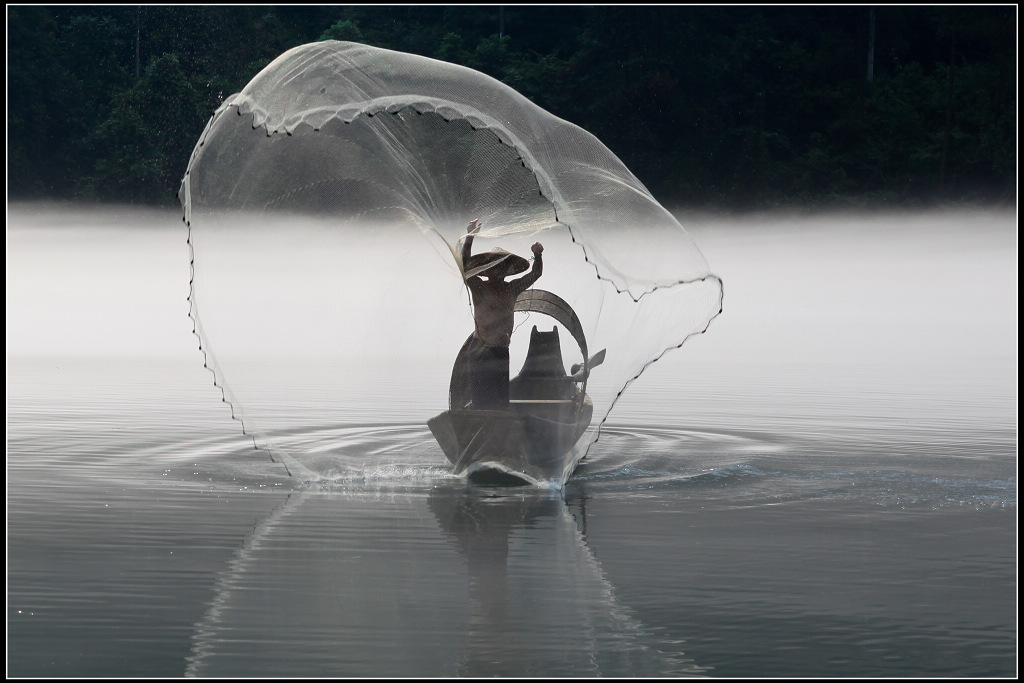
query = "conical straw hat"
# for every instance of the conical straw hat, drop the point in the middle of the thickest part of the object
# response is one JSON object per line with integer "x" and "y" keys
{"x": 494, "y": 263}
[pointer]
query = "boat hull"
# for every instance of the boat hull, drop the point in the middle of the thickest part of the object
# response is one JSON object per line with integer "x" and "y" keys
{"x": 532, "y": 442}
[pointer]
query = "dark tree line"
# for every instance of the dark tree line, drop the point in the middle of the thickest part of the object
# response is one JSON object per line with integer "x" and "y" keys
{"x": 710, "y": 106}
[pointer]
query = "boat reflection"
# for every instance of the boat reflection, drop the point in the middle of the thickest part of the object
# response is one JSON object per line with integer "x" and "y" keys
{"x": 539, "y": 602}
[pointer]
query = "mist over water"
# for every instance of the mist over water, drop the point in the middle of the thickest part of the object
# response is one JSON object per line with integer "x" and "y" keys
{"x": 822, "y": 484}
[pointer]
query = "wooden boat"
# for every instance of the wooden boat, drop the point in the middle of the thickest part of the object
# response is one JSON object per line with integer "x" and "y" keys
{"x": 532, "y": 441}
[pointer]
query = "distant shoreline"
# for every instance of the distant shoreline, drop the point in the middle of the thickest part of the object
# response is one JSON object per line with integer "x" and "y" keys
{"x": 839, "y": 206}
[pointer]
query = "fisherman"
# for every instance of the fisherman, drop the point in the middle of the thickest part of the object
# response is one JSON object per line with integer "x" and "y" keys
{"x": 493, "y": 312}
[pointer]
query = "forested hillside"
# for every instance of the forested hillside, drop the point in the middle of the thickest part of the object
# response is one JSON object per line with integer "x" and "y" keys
{"x": 741, "y": 107}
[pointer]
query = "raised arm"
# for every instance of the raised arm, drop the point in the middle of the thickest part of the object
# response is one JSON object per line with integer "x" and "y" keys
{"x": 525, "y": 282}
{"x": 467, "y": 243}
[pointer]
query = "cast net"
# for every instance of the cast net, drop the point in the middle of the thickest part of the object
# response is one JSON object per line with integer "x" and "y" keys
{"x": 327, "y": 205}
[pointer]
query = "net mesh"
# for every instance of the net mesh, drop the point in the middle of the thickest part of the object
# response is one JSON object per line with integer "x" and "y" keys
{"x": 328, "y": 204}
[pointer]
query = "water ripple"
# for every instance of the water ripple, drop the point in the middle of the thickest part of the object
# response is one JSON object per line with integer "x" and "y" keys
{"x": 745, "y": 467}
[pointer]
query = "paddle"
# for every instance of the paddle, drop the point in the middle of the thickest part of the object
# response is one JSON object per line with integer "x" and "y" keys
{"x": 595, "y": 360}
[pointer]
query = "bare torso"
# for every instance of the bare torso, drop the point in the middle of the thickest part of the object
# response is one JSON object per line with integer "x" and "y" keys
{"x": 493, "y": 309}
{"x": 494, "y": 298}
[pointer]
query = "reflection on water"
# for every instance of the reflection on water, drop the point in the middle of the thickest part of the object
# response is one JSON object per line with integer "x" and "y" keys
{"x": 468, "y": 583}
{"x": 826, "y": 485}
{"x": 141, "y": 547}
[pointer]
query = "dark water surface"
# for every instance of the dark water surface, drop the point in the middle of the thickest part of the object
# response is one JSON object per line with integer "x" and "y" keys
{"x": 822, "y": 485}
